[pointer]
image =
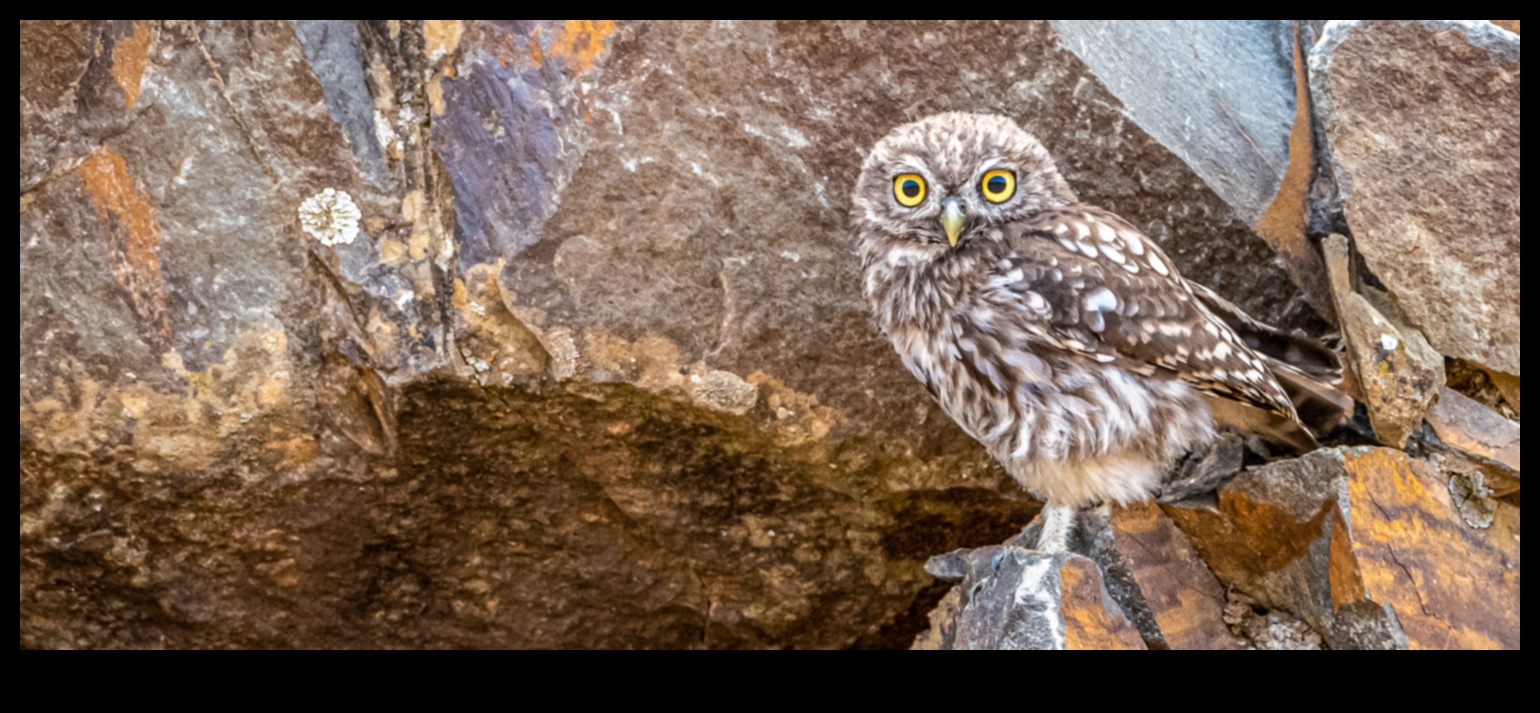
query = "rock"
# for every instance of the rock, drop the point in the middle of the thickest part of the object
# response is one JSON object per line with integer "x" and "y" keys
{"x": 1201, "y": 474}
{"x": 1367, "y": 547}
{"x": 1011, "y": 598}
{"x": 1265, "y": 630}
{"x": 1422, "y": 119}
{"x": 1481, "y": 437}
{"x": 1156, "y": 576}
{"x": 1247, "y": 134}
{"x": 567, "y": 349}
{"x": 1398, "y": 374}
{"x": 1148, "y": 570}
{"x": 1509, "y": 25}
{"x": 1492, "y": 389}
{"x": 1508, "y": 386}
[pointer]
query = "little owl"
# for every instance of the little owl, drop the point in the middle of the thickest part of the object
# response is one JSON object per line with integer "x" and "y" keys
{"x": 1056, "y": 333}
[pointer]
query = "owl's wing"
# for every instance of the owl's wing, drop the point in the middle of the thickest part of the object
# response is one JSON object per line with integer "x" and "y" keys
{"x": 1084, "y": 281}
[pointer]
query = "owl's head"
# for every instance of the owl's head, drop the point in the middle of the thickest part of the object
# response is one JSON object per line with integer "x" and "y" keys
{"x": 940, "y": 180}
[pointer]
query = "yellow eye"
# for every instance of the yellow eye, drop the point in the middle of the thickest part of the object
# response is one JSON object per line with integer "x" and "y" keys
{"x": 909, "y": 189}
{"x": 998, "y": 186}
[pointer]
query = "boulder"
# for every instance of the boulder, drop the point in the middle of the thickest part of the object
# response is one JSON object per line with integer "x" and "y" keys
{"x": 1369, "y": 547}
{"x": 1014, "y": 599}
{"x": 1151, "y": 587}
{"x": 1422, "y": 119}
{"x": 1158, "y": 578}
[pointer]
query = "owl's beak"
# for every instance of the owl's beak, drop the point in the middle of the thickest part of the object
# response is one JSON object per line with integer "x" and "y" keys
{"x": 953, "y": 220}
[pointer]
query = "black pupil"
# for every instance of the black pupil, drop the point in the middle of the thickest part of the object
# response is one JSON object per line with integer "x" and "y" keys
{"x": 911, "y": 188}
{"x": 997, "y": 184}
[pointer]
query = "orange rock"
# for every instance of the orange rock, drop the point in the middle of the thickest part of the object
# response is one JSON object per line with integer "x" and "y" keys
{"x": 1155, "y": 573}
{"x": 1476, "y": 430}
{"x": 1368, "y": 547}
{"x": 1092, "y": 621}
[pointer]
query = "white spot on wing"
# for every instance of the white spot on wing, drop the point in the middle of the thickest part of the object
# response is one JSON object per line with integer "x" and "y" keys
{"x": 1135, "y": 243}
{"x": 1101, "y": 300}
{"x": 1036, "y": 302}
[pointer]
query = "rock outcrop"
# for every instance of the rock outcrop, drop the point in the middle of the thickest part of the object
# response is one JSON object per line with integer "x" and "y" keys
{"x": 1422, "y": 118}
{"x": 518, "y": 334}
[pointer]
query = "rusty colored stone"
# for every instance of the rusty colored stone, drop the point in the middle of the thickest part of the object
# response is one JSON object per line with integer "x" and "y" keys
{"x": 1509, "y": 387}
{"x": 1284, "y": 223}
{"x": 1398, "y": 375}
{"x": 1481, "y": 435}
{"x": 1092, "y": 620}
{"x": 1182, "y": 598}
{"x": 1368, "y": 547}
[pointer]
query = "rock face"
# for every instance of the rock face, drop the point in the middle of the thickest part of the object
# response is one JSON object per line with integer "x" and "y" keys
{"x": 1422, "y": 119}
{"x": 524, "y": 334}
{"x": 519, "y": 334}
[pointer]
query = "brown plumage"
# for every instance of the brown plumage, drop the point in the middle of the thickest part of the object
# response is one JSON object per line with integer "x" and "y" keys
{"x": 1057, "y": 333}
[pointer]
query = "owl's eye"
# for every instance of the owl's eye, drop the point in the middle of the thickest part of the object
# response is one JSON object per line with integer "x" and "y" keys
{"x": 909, "y": 189}
{"x": 998, "y": 186}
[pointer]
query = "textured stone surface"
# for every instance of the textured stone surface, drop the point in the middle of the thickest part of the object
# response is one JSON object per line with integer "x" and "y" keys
{"x": 1482, "y": 441}
{"x": 1157, "y": 577}
{"x": 1010, "y": 598}
{"x": 592, "y": 372}
{"x": 567, "y": 349}
{"x": 1398, "y": 374}
{"x": 1219, "y": 94}
{"x": 1368, "y": 547}
{"x": 1230, "y": 98}
{"x": 1153, "y": 588}
{"x": 1422, "y": 119}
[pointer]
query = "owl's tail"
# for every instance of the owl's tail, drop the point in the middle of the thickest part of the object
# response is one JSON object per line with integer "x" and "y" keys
{"x": 1306, "y": 369}
{"x": 1319, "y": 404}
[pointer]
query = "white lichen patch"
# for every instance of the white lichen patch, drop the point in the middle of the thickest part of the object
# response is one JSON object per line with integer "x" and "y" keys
{"x": 331, "y": 217}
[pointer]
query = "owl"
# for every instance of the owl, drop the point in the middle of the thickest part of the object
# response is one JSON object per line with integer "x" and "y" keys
{"x": 1056, "y": 333}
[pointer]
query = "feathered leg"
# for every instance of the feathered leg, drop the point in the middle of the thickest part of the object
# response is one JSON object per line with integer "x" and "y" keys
{"x": 1058, "y": 523}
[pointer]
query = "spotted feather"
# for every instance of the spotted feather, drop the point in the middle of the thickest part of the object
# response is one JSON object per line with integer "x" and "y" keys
{"x": 1073, "y": 266}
